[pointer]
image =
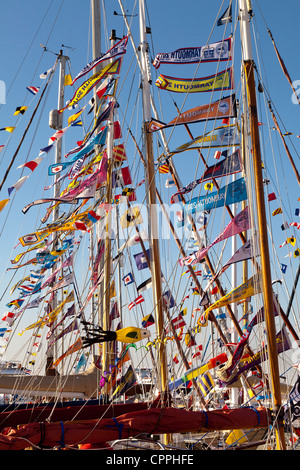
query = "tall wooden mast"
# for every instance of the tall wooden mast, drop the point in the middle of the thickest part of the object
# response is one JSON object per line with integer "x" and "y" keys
{"x": 262, "y": 226}
{"x": 153, "y": 227}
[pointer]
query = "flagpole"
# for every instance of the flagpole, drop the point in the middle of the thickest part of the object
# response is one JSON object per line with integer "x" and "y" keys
{"x": 58, "y": 125}
{"x": 153, "y": 235}
{"x": 262, "y": 227}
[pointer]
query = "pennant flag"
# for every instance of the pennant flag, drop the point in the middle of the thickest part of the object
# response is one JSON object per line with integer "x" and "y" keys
{"x": 248, "y": 289}
{"x": 218, "y": 82}
{"x": 226, "y": 107}
{"x": 74, "y": 117}
{"x": 105, "y": 85}
{"x": 45, "y": 74}
{"x": 224, "y": 136}
{"x": 226, "y": 17}
{"x": 20, "y": 110}
{"x": 215, "y": 52}
{"x": 141, "y": 261}
{"x": 148, "y": 321}
{"x": 229, "y": 194}
{"x": 32, "y": 89}
{"x": 128, "y": 279}
{"x": 137, "y": 301}
{"x": 8, "y": 129}
{"x": 3, "y": 203}
{"x": 74, "y": 348}
{"x": 32, "y": 164}
{"x": 118, "y": 49}
{"x": 87, "y": 86}
{"x": 144, "y": 285}
{"x": 131, "y": 216}
{"x": 1, "y": 148}
{"x": 18, "y": 184}
{"x": 240, "y": 223}
{"x": 247, "y": 251}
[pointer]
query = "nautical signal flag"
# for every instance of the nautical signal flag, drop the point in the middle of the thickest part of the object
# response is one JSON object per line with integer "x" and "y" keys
{"x": 168, "y": 299}
{"x": 3, "y": 203}
{"x": 119, "y": 154}
{"x": 277, "y": 211}
{"x": 283, "y": 268}
{"x": 68, "y": 79}
{"x": 131, "y": 216}
{"x": 178, "y": 322}
{"x": 121, "y": 177}
{"x": 163, "y": 168}
{"x": 128, "y": 279}
{"x": 141, "y": 260}
{"x": 137, "y": 301}
{"x": 20, "y": 110}
{"x": 209, "y": 186}
{"x": 7, "y": 129}
{"x": 206, "y": 383}
{"x": 148, "y": 320}
{"x": 33, "y": 89}
{"x": 271, "y": 197}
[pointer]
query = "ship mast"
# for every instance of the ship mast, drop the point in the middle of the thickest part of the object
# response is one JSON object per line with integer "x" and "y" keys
{"x": 248, "y": 63}
{"x": 155, "y": 265}
{"x": 56, "y": 122}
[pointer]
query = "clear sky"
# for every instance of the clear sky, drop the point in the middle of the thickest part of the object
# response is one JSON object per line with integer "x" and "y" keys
{"x": 27, "y": 24}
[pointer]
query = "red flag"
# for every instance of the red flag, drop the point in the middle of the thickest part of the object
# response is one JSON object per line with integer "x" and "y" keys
{"x": 271, "y": 197}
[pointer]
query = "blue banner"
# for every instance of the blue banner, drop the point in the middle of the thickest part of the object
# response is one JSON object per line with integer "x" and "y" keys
{"x": 233, "y": 192}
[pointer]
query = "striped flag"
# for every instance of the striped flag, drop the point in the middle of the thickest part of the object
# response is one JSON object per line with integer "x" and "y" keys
{"x": 163, "y": 168}
{"x": 206, "y": 383}
{"x": 137, "y": 301}
{"x": 277, "y": 211}
{"x": 33, "y": 89}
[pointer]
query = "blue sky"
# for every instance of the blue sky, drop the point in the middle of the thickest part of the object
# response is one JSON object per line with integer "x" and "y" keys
{"x": 26, "y": 25}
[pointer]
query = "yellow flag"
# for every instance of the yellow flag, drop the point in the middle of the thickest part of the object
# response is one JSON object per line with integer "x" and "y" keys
{"x": 92, "y": 81}
{"x": 3, "y": 203}
{"x": 68, "y": 79}
{"x": 130, "y": 217}
{"x": 73, "y": 118}
{"x": 49, "y": 317}
{"x": 291, "y": 240}
{"x": 8, "y": 129}
{"x": 208, "y": 186}
{"x": 249, "y": 288}
{"x": 236, "y": 436}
